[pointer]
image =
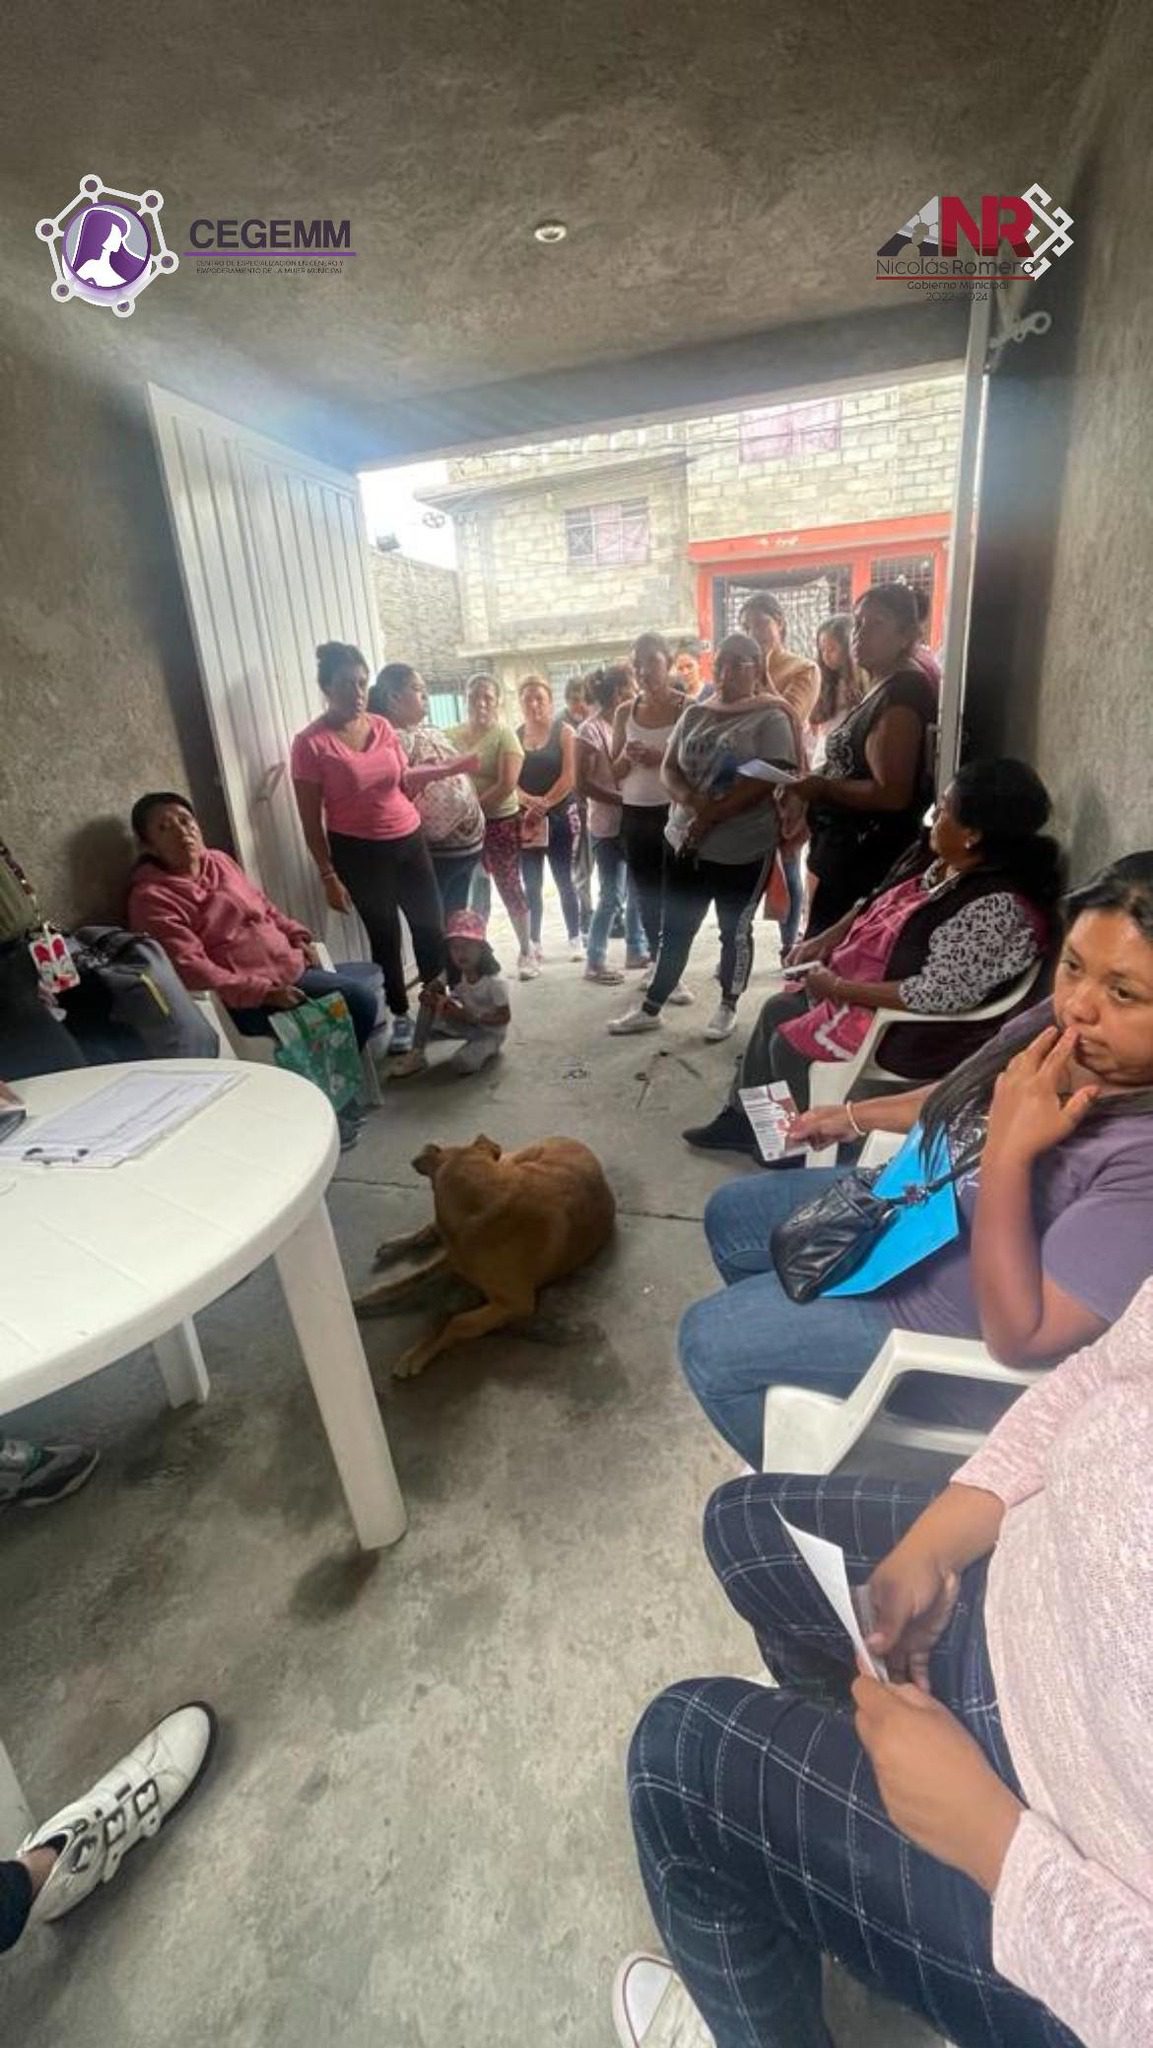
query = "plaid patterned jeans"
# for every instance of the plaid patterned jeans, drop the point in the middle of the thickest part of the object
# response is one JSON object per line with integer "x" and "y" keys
{"x": 762, "y": 1839}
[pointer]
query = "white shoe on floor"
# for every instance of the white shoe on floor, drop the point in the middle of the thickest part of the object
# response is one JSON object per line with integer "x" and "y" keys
{"x": 652, "y": 2009}
{"x": 681, "y": 995}
{"x": 130, "y": 1801}
{"x": 634, "y": 1021}
{"x": 721, "y": 1023}
{"x": 526, "y": 967}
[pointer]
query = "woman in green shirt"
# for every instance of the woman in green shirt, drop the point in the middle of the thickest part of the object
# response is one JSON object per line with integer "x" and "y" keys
{"x": 499, "y": 754}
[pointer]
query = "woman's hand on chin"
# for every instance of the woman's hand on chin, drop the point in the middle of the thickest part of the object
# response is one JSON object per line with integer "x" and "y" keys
{"x": 1034, "y": 1106}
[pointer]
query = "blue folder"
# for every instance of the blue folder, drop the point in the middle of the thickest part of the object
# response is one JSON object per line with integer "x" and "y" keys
{"x": 918, "y": 1231}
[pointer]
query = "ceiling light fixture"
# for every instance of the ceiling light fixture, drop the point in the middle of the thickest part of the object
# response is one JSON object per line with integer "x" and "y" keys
{"x": 550, "y": 231}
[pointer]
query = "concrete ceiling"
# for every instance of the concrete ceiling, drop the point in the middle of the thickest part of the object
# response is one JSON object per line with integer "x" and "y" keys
{"x": 724, "y": 171}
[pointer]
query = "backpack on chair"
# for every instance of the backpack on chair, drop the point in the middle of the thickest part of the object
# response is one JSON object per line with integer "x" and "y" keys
{"x": 130, "y": 1003}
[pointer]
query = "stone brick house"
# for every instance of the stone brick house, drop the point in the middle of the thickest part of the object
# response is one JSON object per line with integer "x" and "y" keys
{"x": 568, "y": 549}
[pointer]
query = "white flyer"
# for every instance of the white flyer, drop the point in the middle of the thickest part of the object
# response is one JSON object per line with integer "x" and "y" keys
{"x": 767, "y": 771}
{"x": 826, "y": 1561}
{"x": 771, "y": 1111}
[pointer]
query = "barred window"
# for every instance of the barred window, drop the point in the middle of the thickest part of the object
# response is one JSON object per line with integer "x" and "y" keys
{"x": 915, "y": 570}
{"x": 609, "y": 535}
{"x": 773, "y": 432}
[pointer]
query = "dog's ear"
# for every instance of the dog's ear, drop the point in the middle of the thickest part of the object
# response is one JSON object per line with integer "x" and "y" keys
{"x": 426, "y": 1162}
{"x": 482, "y": 1144}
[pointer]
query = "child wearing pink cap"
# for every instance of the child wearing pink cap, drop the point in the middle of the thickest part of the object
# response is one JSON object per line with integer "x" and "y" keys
{"x": 473, "y": 1007}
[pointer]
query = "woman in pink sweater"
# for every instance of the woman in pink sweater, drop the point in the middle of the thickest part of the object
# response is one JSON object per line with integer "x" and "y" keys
{"x": 973, "y": 1839}
{"x": 223, "y": 933}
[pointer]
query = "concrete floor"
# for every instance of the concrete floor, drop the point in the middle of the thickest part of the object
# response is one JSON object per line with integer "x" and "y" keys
{"x": 415, "y": 1834}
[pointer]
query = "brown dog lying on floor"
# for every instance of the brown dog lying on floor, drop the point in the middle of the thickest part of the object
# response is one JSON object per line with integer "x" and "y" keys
{"x": 509, "y": 1222}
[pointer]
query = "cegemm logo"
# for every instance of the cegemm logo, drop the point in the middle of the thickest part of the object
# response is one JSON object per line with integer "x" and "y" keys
{"x": 107, "y": 246}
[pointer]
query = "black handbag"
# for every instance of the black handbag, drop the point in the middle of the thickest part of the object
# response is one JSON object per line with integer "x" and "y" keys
{"x": 826, "y": 1239}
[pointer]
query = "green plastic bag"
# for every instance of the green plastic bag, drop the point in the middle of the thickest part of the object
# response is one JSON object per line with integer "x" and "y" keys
{"x": 317, "y": 1040}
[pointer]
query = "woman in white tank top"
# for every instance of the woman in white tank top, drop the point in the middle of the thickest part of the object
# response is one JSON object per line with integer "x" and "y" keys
{"x": 642, "y": 730}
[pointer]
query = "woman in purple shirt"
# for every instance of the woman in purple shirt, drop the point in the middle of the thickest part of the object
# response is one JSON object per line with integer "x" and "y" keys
{"x": 1056, "y": 1218}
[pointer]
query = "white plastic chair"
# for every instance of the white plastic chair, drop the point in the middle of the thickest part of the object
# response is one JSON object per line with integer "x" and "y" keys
{"x": 833, "y": 1081}
{"x": 811, "y": 1432}
{"x": 235, "y": 1045}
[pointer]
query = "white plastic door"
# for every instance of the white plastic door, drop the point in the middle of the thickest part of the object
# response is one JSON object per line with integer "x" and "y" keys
{"x": 273, "y": 555}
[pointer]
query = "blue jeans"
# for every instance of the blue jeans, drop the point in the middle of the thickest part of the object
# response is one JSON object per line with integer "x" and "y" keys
{"x": 455, "y": 874}
{"x": 790, "y": 924}
{"x": 613, "y": 896}
{"x": 762, "y": 1839}
{"x": 736, "y": 1344}
{"x": 358, "y": 981}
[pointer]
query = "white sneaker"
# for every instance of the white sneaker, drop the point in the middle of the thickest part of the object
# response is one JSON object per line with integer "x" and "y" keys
{"x": 681, "y": 995}
{"x": 722, "y": 1021}
{"x": 633, "y": 1021}
{"x": 652, "y": 2009}
{"x": 527, "y": 968}
{"x": 131, "y": 1800}
{"x": 576, "y": 949}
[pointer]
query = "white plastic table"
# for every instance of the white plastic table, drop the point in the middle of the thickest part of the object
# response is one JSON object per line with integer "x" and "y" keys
{"x": 97, "y": 1261}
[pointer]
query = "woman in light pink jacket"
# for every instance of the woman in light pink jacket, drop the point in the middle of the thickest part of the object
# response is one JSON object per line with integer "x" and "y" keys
{"x": 974, "y": 1838}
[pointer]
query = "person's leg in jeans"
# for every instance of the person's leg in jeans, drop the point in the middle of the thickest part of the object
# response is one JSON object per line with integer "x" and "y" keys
{"x": 368, "y": 869}
{"x": 610, "y": 873}
{"x": 532, "y": 880}
{"x": 361, "y": 995}
{"x": 687, "y": 898}
{"x": 560, "y": 860}
{"x": 643, "y": 839}
{"x": 454, "y": 878}
{"x": 480, "y": 891}
{"x": 790, "y": 925}
{"x": 582, "y": 865}
{"x": 737, "y": 893}
{"x": 636, "y": 944}
{"x": 735, "y": 1344}
{"x": 762, "y": 1840}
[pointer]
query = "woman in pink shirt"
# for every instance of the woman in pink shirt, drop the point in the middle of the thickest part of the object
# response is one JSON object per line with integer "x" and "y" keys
{"x": 974, "y": 1838}
{"x": 223, "y": 933}
{"x": 354, "y": 789}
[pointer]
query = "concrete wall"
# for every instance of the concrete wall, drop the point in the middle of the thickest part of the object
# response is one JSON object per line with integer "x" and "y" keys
{"x": 897, "y": 454}
{"x": 520, "y": 594}
{"x": 418, "y": 604}
{"x": 99, "y": 692}
{"x": 1060, "y": 668}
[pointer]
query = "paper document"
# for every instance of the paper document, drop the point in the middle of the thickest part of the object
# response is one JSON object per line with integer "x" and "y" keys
{"x": 771, "y": 1111}
{"x": 767, "y": 771}
{"x": 118, "y": 1122}
{"x": 826, "y": 1561}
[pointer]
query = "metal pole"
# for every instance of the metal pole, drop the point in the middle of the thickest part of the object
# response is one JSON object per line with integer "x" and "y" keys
{"x": 966, "y": 489}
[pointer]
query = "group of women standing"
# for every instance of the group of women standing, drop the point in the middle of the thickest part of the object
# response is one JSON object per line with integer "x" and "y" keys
{"x": 639, "y": 781}
{"x": 702, "y": 822}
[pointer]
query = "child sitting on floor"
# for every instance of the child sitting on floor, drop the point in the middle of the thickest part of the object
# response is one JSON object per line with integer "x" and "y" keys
{"x": 474, "y": 1006}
